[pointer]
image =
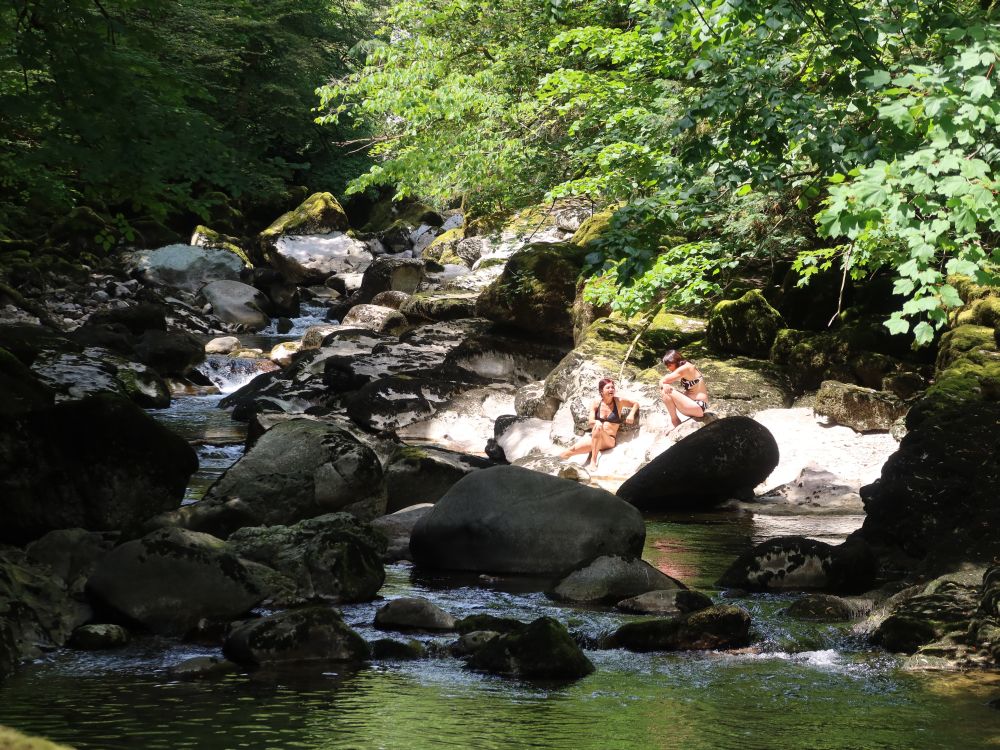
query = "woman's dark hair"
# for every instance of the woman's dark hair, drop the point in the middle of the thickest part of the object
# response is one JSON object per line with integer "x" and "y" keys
{"x": 603, "y": 382}
{"x": 674, "y": 357}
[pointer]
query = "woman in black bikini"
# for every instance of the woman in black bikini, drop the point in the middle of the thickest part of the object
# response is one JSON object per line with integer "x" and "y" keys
{"x": 605, "y": 419}
{"x": 693, "y": 402}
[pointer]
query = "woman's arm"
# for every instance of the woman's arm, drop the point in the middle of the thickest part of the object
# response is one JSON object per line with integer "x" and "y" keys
{"x": 591, "y": 418}
{"x": 632, "y": 406}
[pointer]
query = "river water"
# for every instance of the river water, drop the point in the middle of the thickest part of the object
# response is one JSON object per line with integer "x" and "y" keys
{"x": 801, "y": 685}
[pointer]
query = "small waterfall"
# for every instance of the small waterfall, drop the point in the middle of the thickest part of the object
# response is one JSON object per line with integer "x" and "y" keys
{"x": 231, "y": 373}
{"x": 310, "y": 315}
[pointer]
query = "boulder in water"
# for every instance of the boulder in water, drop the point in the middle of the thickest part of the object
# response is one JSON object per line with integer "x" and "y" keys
{"x": 797, "y": 563}
{"x": 238, "y": 303}
{"x": 723, "y": 626}
{"x": 511, "y": 520}
{"x": 184, "y": 266}
{"x": 612, "y": 578}
{"x": 413, "y": 613}
{"x": 311, "y": 634}
{"x": 541, "y": 650}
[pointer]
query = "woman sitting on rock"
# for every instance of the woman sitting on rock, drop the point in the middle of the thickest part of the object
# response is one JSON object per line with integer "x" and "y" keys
{"x": 693, "y": 402}
{"x": 604, "y": 419}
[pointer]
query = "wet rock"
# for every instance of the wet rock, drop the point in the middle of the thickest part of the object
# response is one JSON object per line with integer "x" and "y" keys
{"x": 390, "y": 649}
{"x": 379, "y": 319}
{"x": 797, "y": 563}
{"x": 723, "y": 460}
{"x": 510, "y": 520}
{"x": 827, "y": 608}
{"x": 184, "y": 266}
{"x": 71, "y": 554}
{"x": 298, "y": 636}
{"x": 137, "y": 319}
{"x": 861, "y": 409}
{"x": 238, "y": 303}
{"x": 417, "y": 475}
{"x": 20, "y": 390}
{"x": 721, "y": 626}
{"x": 99, "y": 637}
{"x": 397, "y": 528}
{"x": 170, "y": 354}
{"x": 172, "y": 578}
{"x": 332, "y": 557}
{"x": 612, "y": 578}
{"x": 413, "y": 613}
{"x": 124, "y": 468}
{"x": 471, "y": 642}
{"x": 486, "y": 622}
{"x": 676, "y": 601}
{"x": 298, "y": 469}
{"x": 203, "y": 668}
{"x": 541, "y": 650}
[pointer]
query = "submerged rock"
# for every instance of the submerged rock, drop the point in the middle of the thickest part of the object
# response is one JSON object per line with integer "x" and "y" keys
{"x": 511, "y": 520}
{"x": 722, "y": 626}
{"x": 541, "y": 650}
{"x": 666, "y": 602}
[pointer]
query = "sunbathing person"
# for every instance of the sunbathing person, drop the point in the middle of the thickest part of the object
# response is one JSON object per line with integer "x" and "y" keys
{"x": 604, "y": 419}
{"x": 693, "y": 402}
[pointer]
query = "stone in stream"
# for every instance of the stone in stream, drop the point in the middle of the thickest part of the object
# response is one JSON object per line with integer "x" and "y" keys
{"x": 416, "y": 475}
{"x": 397, "y": 528}
{"x": 612, "y": 578}
{"x": 99, "y": 637}
{"x": 511, "y": 520}
{"x": 666, "y": 602}
{"x": 238, "y": 303}
{"x": 297, "y": 636}
{"x": 391, "y": 649}
{"x": 723, "y": 626}
{"x": 413, "y": 613}
{"x": 541, "y": 650}
{"x": 828, "y": 608}
{"x": 171, "y": 579}
{"x": 723, "y": 460}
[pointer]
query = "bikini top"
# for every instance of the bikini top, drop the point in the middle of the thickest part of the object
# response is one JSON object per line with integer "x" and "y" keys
{"x": 687, "y": 385}
{"x": 614, "y": 417}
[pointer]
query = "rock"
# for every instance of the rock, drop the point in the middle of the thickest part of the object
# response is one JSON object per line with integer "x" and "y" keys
{"x": 98, "y": 464}
{"x": 491, "y": 623}
{"x": 298, "y": 469}
{"x": 172, "y": 578}
{"x": 390, "y": 403}
{"x": 391, "y": 275}
{"x": 541, "y": 650}
{"x": 312, "y": 634}
{"x": 379, "y": 319}
{"x": 916, "y": 622}
{"x": 390, "y": 299}
{"x": 332, "y": 557}
{"x": 675, "y": 601}
{"x": 71, "y": 554}
{"x": 222, "y": 345}
{"x": 390, "y": 649}
{"x": 238, "y": 303}
{"x": 720, "y": 626}
{"x": 11, "y": 739}
{"x": 99, "y": 637}
{"x": 797, "y": 563}
{"x": 536, "y": 289}
{"x": 611, "y": 579}
{"x": 416, "y": 476}
{"x": 170, "y": 354}
{"x": 744, "y": 326}
{"x": 440, "y": 304}
{"x": 861, "y": 409}
{"x": 471, "y": 642}
{"x": 532, "y": 401}
{"x": 413, "y": 613}
{"x": 20, "y": 390}
{"x": 203, "y": 668}
{"x": 510, "y": 520}
{"x": 137, "y": 319}
{"x": 827, "y": 608}
{"x": 184, "y": 267}
{"x": 723, "y": 460}
{"x": 397, "y": 528}
{"x": 320, "y": 213}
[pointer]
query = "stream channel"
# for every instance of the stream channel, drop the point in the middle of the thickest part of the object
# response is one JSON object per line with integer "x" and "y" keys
{"x": 801, "y": 685}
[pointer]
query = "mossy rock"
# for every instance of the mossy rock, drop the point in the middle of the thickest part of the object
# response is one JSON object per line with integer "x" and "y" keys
{"x": 593, "y": 228}
{"x": 535, "y": 292}
{"x": 672, "y": 330}
{"x": 206, "y": 237}
{"x": 320, "y": 213}
{"x": 440, "y": 305}
{"x": 747, "y": 325}
{"x": 810, "y": 358}
{"x": 444, "y": 245}
{"x": 982, "y": 312}
{"x": 541, "y": 650}
{"x": 11, "y": 739}
{"x": 411, "y": 213}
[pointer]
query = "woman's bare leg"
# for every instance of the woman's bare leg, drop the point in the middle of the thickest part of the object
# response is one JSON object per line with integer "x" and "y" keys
{"x": 584, "y": 446}
{"x": 601, "y": 441}
{"x": 678, "y": 402}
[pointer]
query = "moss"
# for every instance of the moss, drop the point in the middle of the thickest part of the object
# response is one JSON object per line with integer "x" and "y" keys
{"x": 744, "y": 326}
{"x": 11, "y": 739}
{"x": 317, "y": 214}
{"x": 982, "y": 312}
{"x": 408, "y": 213}
{"x": 670, "y": 330}
{"x": 219, "y": 241}
{"x": 443, "y": 245}
{"x": 593, "y": 228}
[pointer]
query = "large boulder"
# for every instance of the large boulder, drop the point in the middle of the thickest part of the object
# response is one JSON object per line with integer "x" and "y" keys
{"x": 861, "y": 409}
{"x": 747, "y": 325}
{"x": 397, "y": 528}
{"x": 332, "y": 557}
{"x": 238, "y": 303}
{"x": 99, "y": 464}
{"x": 723, "y": 460}
{"x": 536, "y": 289}
{"x": 315, "y": 259}
{"x": 376, "y": 318}
{"x": 413, "y": 613}
{"x": 721, "y": 626}
{"x": 298, "y": 469}
{"x": 416, "y": 475}
{"x": 796, "y": 563}
{"x": 20, "y": 389}
{"x": 184, "y": 266}
{"x": 312, "y": 634}
{"x": 541, "y": 650}
{"x": 392, "y": 274}
{"x": 612, "y": 578}
{"x": 171, "y": 579}
{"x": 511, "y": 520}
{"x": 320, "y": 213}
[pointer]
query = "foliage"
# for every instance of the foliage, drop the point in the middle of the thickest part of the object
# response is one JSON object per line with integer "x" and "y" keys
{"x": 150, "y": 107}
{"x": 881, "y": 114}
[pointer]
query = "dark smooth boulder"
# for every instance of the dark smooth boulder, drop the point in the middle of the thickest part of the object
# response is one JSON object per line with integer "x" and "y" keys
{"x": 413, "y": 613}
{"x": 311, "y": 634}
{"x": 99, "y": 464}
{"x": 171, "y": 579}
{"x": 612, "y": 578}
{"x": 541, "y": 650}
{"x": 666, "y": 602}
{"x": 511, "y": 520}
{"x": 724, "y": 626}
{"x": 795, "y": 563}
{"x": 723, "y": 460}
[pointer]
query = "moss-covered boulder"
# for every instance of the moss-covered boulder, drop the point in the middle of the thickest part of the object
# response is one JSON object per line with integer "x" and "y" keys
{"x": 541, "y": 650}
{"x": 320, "y": 213}
{"x": 298, "y": 636}
{"x": 722, "y": 626}
{"x": 593, "y": 228}
{"x": 11, "y": 739}
{"x": 333, "y": 557}
{"x": 747, "y": 325}
{"x": 861, "y": 409}
{"x": 440, "y": 305}
{"x": 442, "y": 248}
{"x": 535, "y": 292}
{"x": 205, "y": 237}
{"x": 673, "y": 330}
{"x": 387, "y": 212}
